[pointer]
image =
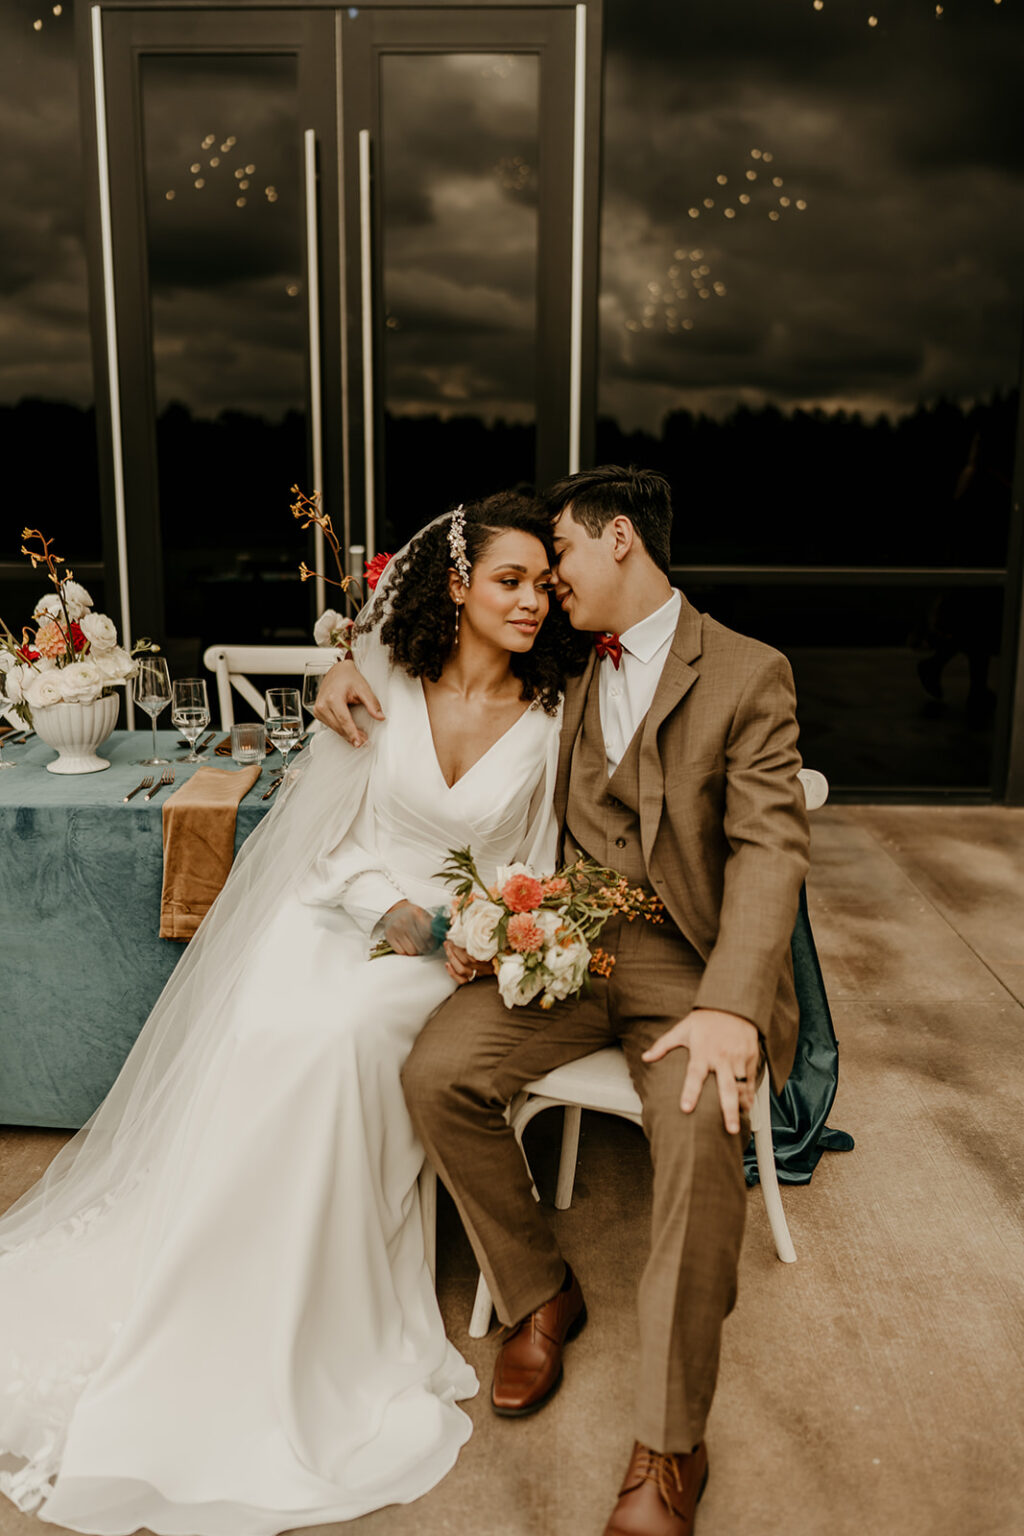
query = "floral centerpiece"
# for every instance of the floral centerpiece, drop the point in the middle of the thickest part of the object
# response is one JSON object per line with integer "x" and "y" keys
{"x": 537, "y": 931}
{"x": 68, "y": 654}
{"x": 334, "y": 629}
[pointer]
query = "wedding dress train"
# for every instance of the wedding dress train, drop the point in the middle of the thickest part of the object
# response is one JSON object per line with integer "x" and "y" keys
{"x": 237, "y": 1334}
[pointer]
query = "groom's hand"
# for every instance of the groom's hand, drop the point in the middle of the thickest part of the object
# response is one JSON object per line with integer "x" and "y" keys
{"x": 407, "y": 929}
{"x": 344, "y": 685}
{"x": 721, "y": 1043}
{"x": 461, "y": 966}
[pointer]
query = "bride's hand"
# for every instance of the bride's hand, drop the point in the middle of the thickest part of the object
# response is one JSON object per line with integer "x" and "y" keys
{"x": 407, "y": 929}
{"x": 344, "y": 685}
{"x": 461, "y": 966}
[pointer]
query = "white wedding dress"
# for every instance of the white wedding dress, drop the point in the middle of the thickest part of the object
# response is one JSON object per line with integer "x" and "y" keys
{"x": 217, "y": 1317}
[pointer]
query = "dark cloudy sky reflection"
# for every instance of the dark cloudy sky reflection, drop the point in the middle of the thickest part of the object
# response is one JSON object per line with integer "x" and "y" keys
{"x": 900, "y": 280}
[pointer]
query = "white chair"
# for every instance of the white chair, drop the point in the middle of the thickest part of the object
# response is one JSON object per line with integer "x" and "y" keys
{"x": 230, "y": 663}
{"x": 601, "y": 1081}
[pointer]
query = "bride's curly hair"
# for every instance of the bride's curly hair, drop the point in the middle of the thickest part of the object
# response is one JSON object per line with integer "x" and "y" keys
{"x": 419, "y": 625}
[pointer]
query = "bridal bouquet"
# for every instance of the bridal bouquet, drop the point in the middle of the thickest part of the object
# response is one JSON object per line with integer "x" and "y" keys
{"x": 537, "y": 931}
{"x": 69, "y": 653}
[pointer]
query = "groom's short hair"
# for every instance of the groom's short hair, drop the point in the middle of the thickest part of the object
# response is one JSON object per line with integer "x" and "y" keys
{"x": 595, "y": 496}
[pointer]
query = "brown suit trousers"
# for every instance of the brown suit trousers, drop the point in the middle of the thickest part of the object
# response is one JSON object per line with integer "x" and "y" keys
{"x": 724, "y": 843}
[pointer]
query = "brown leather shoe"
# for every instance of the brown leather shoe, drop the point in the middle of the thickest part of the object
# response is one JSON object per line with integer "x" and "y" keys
{"x": 528, "y": 1369}
{"x": 660, "y": 1494}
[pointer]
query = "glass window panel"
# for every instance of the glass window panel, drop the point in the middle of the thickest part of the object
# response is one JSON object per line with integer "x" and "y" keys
{"x": 896, "y": 686}
{"x": 225, "y": 225}
{"x": 812, "y": 242}
{"x": 458, "y": 168}
{"x": 47, "y": 424}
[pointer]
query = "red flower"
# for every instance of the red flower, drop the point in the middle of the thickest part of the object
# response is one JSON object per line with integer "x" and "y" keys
{"x": 522, "y": 893}
{"x": 27, "y": 653}
{"x": 375, "y": 569}
{"x": 78, "y": 640}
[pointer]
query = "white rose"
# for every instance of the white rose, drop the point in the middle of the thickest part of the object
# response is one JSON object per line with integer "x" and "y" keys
{"x": 506, "y": 871}
{"x": 100, "y": 631}
{"x": 332, "y": 628}
{"x": 473, "y": 929}
{"x": 7, "y": 661}
{"x": 567, "y": 966}
{"x": 114, "y": 665}
{"x": 517, "y": 985}
{"x": 44, "y": 689}
{"x": 48, "y": 606}
{"x": 77, "y": 600}
{"x": 81, "y": 682}
{"x": 15, "y": 682}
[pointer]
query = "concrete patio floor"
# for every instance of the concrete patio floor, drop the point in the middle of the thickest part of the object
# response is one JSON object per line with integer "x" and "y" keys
{"x": 874, "y": 1387}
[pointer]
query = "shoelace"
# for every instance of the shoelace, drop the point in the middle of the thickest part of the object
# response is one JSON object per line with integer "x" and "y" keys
{"x": 657, "y": 1467}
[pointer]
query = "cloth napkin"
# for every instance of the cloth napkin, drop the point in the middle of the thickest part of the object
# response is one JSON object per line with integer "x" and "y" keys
{"x": 199, "y": 845}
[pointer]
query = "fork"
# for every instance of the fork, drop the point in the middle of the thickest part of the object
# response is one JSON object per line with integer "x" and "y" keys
{"x": 145, "y": 784}
{"x": 167, "y": 777}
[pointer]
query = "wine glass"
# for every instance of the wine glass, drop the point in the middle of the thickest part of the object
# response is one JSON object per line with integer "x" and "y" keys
{"x": 190, "y": 711}
{"x": 283, "y": 719}
{"x": 313, "y": 674}
{"x": 151, "y": 690}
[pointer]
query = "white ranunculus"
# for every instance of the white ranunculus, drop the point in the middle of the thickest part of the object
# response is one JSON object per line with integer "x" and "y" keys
{"x": 473, "y": 929}
{"x": 45, "y": 688}
{"x": 7, "y": 660}
{"x": 114, "y": 665}
{"x": 506, "y": 872}
{"x": 567, "y": 965}
{"x": 80, "y": 683}
{"x": 100, "y": 631}
{"x": 548, "y": 921}
{"x": 517, "y": 985}
{"x": 77, "y": 599}
{"x": 49, "y": 606}
{"x": 332, "y": 628}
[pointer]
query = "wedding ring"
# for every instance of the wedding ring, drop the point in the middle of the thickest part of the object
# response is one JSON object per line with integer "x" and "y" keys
{"x": 740, "y": 1079}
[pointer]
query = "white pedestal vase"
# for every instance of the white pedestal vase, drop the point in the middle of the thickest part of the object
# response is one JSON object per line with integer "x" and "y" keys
{"x": 76, "y": 730}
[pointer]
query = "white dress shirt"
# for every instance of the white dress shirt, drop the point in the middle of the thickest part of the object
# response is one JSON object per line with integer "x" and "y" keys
{"x": 625, "y": 695}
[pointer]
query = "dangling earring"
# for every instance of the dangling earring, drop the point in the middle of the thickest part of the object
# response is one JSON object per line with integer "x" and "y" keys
{"x": 458, "y": 616}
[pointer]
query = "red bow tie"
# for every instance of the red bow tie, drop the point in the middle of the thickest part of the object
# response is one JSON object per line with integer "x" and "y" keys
{"x": 609, "y": 645}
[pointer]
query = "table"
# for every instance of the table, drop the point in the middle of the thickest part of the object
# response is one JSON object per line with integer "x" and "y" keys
{"x": 81, "y": 963}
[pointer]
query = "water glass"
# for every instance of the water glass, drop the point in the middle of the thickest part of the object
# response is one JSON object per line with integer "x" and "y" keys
{"x": 190, "y": 711}
{"x": 313, "y": 675}
{"x": 283, "y": 720}
{"x": 248, "y": 743}
{"x": 151, "y": 690}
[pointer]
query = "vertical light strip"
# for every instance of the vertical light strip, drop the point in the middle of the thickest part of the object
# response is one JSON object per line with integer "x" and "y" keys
{"x": 366, "y": 281}
{"x": 110, "y": 320}
{"x": 576, "y": 299}
{"x": 315, "y": 391}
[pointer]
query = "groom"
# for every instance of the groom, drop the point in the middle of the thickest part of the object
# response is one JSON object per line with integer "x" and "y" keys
{"x": 678, "y": 767}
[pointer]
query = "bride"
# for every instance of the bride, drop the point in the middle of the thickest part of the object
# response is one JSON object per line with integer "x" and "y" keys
{"x": 216, "y": 1315}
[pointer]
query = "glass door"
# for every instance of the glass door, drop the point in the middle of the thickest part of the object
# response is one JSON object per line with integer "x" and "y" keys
{"x": 466, "y": 176}
{"x": 222, "y": 177}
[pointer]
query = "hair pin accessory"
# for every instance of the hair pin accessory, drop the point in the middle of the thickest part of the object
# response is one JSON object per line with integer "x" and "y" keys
{"x": 457, "y": 543}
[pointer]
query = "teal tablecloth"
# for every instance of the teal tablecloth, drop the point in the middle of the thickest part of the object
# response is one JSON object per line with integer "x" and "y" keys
{"x": 80, "y": 961}
{"x": 81, "y": 964}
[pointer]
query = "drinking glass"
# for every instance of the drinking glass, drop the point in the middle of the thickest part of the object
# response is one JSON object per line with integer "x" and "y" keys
{"x": 283, "y": 719}
{"x": 313, "y": 674}
{"x": 248, "y": 743}
{"x": 190, "y": 711}
{"x": 151, "y": 690}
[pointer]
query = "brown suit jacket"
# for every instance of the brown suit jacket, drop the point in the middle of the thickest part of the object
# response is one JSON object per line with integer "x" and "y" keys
{"x": 722, "y": 817}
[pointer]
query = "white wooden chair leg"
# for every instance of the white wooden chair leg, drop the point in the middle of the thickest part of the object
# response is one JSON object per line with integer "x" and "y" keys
{"x": 480, "y": 1322}
{"x": 766, "y": 1172}
{"x": 568, "y": 1156}
{"x": 428, "y": 1213}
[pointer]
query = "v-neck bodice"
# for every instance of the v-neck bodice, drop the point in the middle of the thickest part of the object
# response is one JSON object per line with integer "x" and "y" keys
{"x": 418, "y": 816}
